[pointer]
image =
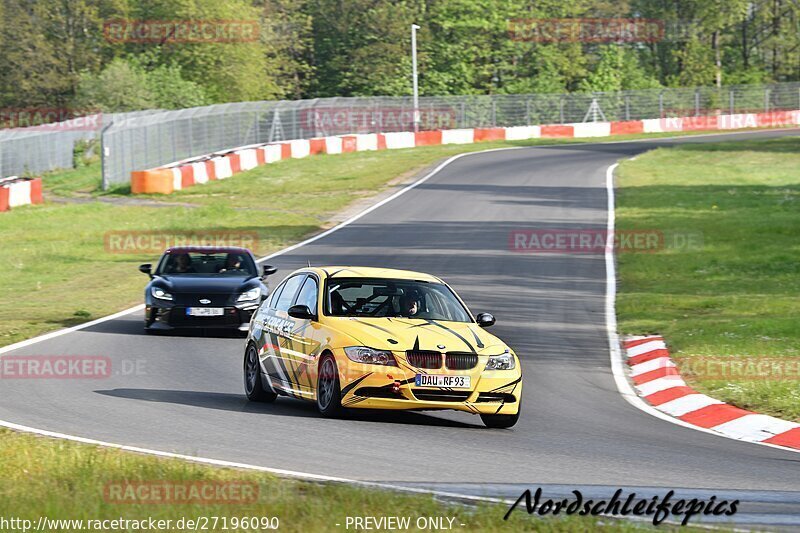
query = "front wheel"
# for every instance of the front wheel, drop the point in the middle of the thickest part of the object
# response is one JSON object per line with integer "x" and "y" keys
{"x": 253, "y": 384}
{"x": 329, "y": 392}
{"x": 500, "y": 421}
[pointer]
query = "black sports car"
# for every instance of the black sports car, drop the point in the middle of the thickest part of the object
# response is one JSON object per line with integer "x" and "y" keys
{"x": 204, "y": 287}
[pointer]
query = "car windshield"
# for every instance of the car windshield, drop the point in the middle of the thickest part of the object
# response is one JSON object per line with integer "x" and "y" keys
{"x": 200, "y": 263}
{"x": 362, "y": 297}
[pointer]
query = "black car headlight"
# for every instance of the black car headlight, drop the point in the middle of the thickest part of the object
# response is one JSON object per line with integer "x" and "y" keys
{"x": 161, "y": 294}
{"x": 504, "y": 361}
{"x": 370, "y": 356}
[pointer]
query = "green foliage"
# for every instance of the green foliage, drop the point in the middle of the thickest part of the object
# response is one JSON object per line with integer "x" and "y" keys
{"x": 56, "y": 54}
{"x": 124, "y": 85}
{"x": 121, "y": 86}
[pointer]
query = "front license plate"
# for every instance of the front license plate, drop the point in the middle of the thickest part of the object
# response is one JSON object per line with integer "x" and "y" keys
{"x": 450, "y": 382}
{"x": 205, "y": 311}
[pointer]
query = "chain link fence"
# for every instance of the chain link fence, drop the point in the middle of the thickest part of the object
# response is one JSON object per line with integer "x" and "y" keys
{"x": 142, "y": 142}
{"x": 37, "y": 149}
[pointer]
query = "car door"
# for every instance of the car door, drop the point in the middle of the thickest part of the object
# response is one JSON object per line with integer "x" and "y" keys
{"x": 277, "y": 358}
{"x": 302, "y": 340}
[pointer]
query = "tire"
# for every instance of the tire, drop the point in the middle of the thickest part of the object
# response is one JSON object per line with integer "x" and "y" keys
{"x": 329, "y": 391}
{"x": 500, "y": 421}
{"x": 253, "y": 384}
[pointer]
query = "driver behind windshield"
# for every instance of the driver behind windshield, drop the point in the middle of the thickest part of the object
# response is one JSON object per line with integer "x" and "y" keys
{"x": 182, "y": 264}
{"x": 232, "y": 262}
{"x": 411, "y": 304}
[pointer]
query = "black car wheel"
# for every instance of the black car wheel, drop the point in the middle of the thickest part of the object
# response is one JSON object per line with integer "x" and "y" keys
{"x": 329, "y": 393}
{"x": 253, "y": 384}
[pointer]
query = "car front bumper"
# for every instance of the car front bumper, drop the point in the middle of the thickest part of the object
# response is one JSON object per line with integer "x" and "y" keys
{"x": 392, "y": 387}
{"x": 162, "y": 317}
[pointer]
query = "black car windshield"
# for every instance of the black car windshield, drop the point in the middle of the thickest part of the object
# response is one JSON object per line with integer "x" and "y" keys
{"x": 199, "y": 263}
{"x": 367, "y": 297}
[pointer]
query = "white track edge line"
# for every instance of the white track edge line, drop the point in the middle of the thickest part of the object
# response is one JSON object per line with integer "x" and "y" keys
{"x": 617, "y": 363}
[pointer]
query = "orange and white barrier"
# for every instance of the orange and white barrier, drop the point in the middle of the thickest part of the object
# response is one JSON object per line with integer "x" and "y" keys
{"x": 15, "y": 192}
{"x": 184, "y": 174}
{"x": 657, "y": 379}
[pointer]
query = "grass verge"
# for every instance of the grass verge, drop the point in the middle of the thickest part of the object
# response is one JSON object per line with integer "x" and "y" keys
{"x": 727, "y": 297}
{"x": 67, "y": 481}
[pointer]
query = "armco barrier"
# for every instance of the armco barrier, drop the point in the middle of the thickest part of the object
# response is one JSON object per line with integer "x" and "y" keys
{"x": 164, "y": 180}
{"x": 15, "y": 192}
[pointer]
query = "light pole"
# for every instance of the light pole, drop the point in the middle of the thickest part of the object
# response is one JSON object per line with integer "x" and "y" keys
{"x": 414, "y": 29}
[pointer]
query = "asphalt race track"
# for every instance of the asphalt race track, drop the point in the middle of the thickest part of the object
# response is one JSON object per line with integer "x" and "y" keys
{"x": 576, "y": 430}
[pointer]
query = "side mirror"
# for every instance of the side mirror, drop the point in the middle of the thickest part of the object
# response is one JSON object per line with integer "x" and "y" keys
{"x": 484, "y": 320}
{"x": 147, "y": 268}
{"x": 301, "y": 311}
{"x": 269, "y": 270}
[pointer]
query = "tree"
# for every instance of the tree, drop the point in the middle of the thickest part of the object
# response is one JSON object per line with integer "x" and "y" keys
{"x": 124, "y": 85}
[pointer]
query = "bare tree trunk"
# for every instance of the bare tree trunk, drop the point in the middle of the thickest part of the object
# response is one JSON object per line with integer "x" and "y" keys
{"x": 717, "y": 58}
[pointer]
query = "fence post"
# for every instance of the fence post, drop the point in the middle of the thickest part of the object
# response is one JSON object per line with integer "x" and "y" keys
{"x": 494, "y": 112}
{"x": 732, "y": 102}
{"x": 146, "y": 146}
{"x": 561, "y": 110}
{"x": 528, "y": 112}
{"x": 174, "y": 143}
{"x": 697, "y": 102}
{"x": 766, "y": 100}
{"x": 627, "y": 107}
{"x": 661, "y": 105}
{"x": 103, "y": 155}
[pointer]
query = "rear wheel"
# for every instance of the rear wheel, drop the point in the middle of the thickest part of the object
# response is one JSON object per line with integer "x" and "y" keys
{"x": 329, "y": 392}
{"x": 253, "y": 383}
{"x": 500, "y": 421}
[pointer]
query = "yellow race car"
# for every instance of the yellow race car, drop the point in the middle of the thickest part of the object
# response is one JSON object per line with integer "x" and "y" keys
{"x": 376, "y": 338}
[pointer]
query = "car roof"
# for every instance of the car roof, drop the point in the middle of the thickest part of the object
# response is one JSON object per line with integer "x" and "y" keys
{"x": 207, "y": 249}
{"x": 369, "y": 272}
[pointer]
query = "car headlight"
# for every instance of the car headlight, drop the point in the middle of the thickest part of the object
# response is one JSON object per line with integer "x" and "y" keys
{"x": 252, "y": 294}
{"x": 504, "y": 361}
{"x": 160, "y": 293}
{"x": 369, "y": 356}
